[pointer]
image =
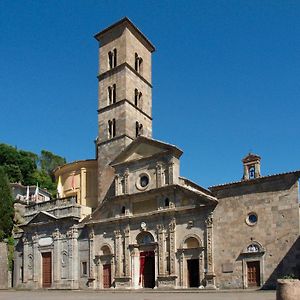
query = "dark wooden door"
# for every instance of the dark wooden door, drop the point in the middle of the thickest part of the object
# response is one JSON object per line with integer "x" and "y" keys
{"x": 147, "y": 265}
{"x": 193, "y": 272}
{"x": 253, "y": 273}
{"x": 106, "y": 276}
{"x": 47, "y": 269}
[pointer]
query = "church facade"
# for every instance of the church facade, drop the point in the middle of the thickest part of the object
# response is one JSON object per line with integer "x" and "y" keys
{"x": 128, "y": 220}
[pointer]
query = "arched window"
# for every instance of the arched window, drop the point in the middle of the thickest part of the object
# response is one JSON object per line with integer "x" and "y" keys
{"x": 114, "y": 93}
{"x": 115, "y": 57}
{"x": 144, "y": 238}
{"x": 191, "y": 243}
{"x": 138, "y": 129}
{"x": 109, "y": 92}
{"x": 138, "y": 63}
{"x": 110, "y": 60}
{"x": 136, "y": 97}
{"x": 113, "y": 127}
{"x": 251, "y": 172}
{"x": 167, "y": 202}
{"x": 105, "y": 250}
{"x": 109, "y": 129}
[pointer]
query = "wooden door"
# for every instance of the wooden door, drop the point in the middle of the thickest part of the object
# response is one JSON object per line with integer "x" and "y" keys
{"x": 147, "y": 269}
{"x": 253, "y": 273}
{"x": 193, "y": 272}
{"x": 106, "y": 276}
{"x": 47, "y": 269}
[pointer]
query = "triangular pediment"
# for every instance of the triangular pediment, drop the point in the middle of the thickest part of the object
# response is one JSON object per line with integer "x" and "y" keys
{"x": 41, "y": 217}
{"x": 143, "y": 147}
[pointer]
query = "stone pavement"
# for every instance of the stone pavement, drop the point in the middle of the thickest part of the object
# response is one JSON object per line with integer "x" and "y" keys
{"x": 136, "y": 295}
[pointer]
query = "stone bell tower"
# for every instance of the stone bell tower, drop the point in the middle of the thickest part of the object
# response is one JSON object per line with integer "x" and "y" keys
{"x": 251, "y": 165}
{"x": 124, "y": 94}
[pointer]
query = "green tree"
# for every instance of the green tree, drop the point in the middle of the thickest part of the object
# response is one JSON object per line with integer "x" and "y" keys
{"x": 50, "y": 161}
{"x": 6, "y": 207}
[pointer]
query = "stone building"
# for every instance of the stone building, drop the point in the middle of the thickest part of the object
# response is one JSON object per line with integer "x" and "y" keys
{"x": 150, "y": 227}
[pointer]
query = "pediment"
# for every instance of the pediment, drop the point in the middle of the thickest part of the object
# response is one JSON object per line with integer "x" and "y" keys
{"x": 41, "y": 217}
{"x": 143, "y": 147}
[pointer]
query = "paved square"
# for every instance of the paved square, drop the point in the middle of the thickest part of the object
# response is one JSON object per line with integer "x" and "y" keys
{"x": 136, "y": 295}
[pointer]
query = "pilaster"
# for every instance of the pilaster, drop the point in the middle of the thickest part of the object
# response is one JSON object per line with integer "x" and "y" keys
{"x": 210, "y": 275}
{"x": 172, "y": 238}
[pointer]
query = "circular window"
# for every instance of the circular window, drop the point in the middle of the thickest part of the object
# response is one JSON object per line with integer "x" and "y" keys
{"x": 143, "y": 181}
{"x": 251, "y": 219}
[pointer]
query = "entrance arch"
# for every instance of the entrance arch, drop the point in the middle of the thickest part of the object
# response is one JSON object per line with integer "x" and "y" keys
{"x": 146, "y": 245}
{"x": 105, "y": 266}
{"x": 191, "y": 261}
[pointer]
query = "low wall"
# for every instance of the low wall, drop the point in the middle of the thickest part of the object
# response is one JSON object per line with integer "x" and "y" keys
{"x": 3, "y": 266}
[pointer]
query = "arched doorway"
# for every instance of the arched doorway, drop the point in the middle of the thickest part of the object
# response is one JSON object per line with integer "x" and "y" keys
{"x": 106, "y": 266}
{"x": 146, "y": 246}
{"x": 191, "y": 263}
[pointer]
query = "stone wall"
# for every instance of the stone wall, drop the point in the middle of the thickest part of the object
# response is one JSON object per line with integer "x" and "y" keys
{"x": 3, "y": 266}
{"x": 275, "y": 234}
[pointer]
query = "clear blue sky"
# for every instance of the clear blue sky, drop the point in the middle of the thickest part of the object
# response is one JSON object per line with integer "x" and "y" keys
{"x": 226, "y": 77}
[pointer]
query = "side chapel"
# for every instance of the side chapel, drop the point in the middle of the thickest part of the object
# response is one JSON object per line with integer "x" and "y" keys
{"x": 127, "y": 219}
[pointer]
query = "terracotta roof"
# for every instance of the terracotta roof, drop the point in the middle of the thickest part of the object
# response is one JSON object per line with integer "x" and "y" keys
{"x": 255, "y": 180}
{"x": 125, "y": 21}
{"x": 251, "y": 157}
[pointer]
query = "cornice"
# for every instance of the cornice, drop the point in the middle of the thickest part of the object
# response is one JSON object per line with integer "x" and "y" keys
{"x": 120, "y": 102}
{"x": 120, "y": 68}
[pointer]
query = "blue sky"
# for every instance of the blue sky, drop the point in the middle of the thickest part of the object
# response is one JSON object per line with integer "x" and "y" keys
{"x": 226, "y": 79}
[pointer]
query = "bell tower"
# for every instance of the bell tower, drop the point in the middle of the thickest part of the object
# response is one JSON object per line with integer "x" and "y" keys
{"x": 124, "y": 94}
{"x": 251, "y": 165}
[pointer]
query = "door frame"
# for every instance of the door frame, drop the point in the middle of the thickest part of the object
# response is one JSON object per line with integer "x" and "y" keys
{"x": 42, "y": 269}
{"x": 245, "y": 269}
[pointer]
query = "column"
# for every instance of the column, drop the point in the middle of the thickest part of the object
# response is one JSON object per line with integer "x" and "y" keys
{"x": 158, "y": 175}
{"x": 98, "y": 283}
{"x": 210, "y": 275}
{"x": 172, "y": 227}
{"x": 36, "y": 260}
{"x": 200, "y": 269}
{"x": 91, "y": 254}
{"x": 171, "y": 171}
{"x": 161, "y": 250}
{"x": 118, "y": 253}
{"x": 181, "y": 263}
{"x": 25, "y": 259}
{"x": 126, "y": 187}
{"x": 117, "y": 184}
{"x": 56, "y": 256}
{"x": 72, "y": 235}
{"x": 126, "y": 251}
{"x": 82, "y": 186}
{"x": 135, "y": 267}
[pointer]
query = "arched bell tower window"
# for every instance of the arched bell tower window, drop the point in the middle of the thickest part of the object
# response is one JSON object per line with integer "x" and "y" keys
{"x": 111, "y": 128}
{"x": 112, "y": 58}
{"x": 252, "y": 172}
{"x": 138, "y": 129}
{"x": 138, "y": 63}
